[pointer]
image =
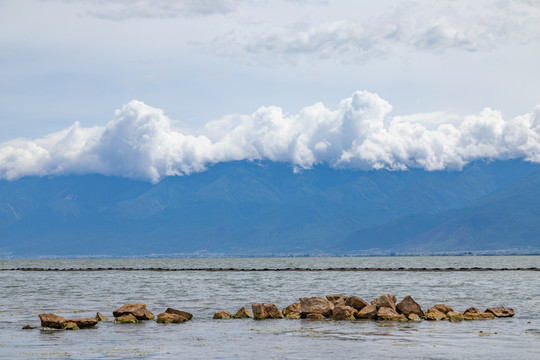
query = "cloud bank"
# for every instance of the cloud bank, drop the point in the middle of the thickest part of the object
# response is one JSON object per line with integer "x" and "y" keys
{"x": 142, "y": 143}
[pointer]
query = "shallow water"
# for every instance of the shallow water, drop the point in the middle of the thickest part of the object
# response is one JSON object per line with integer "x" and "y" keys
{"x": 80, "y": 294}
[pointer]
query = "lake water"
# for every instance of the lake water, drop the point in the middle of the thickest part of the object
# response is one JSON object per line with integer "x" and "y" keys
{"x": 25, "y": 294}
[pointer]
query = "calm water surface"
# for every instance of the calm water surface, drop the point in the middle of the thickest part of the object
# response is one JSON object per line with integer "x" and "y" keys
{"x": 81, "y": 294}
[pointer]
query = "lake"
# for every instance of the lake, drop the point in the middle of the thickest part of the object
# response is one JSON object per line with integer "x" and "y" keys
{"x": 25, "y": 294}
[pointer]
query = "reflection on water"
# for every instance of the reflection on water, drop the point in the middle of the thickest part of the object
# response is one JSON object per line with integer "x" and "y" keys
{"x": 81, "y": 294}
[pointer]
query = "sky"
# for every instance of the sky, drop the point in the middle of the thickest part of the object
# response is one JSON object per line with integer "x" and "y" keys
{"x": 147, "y": 89}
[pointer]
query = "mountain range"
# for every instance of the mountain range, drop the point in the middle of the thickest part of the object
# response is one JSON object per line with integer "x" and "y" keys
{"x": 264, "y": 208}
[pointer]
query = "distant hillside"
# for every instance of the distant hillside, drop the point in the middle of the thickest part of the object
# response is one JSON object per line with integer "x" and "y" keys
{"x": 248, "y": 208}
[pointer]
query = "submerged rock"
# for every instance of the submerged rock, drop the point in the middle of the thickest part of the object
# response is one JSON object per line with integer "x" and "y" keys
{"x": 28, "y": 327}
{"x": 181, "y": 313}
{"x": 445, "y": 309}
{"x": 343, "y": 312}
{"x": 243, "y": 313}
{"x": 386, "y": 300}
{"x": 70, "y": 325}
{"x": 101, "y": 317}
{"x": 292, "y": 311}
{"x": 52, "y": 321}
{"x": 259, "y": 311}
{"x": 337, "y": 299}
{"x": 168, "y": 318}
{"x": 273, "y": 311}
{"x": 501, "y": 311}
{"x": 356, "y": 302}
{"x": 367, "y": 312}
{"x": 386, "y": 313}
{"x": 315, "y": 316}
{"x": 454, "y": 316}
{"x": 408, "y": 306}
{"x": 473, "y": 314}
{"x": 126, "y": 319}
{"x": 222, "y": 315}
{"x": 137, "y": 310}
{"x": 316, "y": 305}
{"x": 84, "y": 322}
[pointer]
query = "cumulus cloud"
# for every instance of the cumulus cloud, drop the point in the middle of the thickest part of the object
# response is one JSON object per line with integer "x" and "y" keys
{"x": 141, "y": 141}
{"x": 422, "y": 26}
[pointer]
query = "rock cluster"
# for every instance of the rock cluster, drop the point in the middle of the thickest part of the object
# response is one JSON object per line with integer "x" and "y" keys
{"x": 337, "y": 307}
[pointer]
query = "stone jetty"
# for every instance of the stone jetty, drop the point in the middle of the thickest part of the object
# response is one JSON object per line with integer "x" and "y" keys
{"x": 336, "y": 307}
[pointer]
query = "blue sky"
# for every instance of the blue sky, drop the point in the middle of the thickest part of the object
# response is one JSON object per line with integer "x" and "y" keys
{"x": 205, "y": 71}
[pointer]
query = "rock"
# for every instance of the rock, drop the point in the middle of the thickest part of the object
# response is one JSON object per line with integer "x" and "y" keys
{"x": 433, "y": 314}
{"x": 28, "y": 327}
{"x": 316, "y": 305}
{"x": 414, "y": 317}
{"x": 454, "y": 316}
{"x": 315, "y": 316}
{"x": 167, "y": 318}
{"x": 293, "y": 316}
{"x": 356, "y": 302}
{"x": 343, "y": 312}
{"x": 386, "y": 300}
{"x": 367, "y": 312}
{"x": 408, "y": 306}
{"x": 501, "y": 311}
{"x": 243, "y": 313}
{"x": 290, "y": 311}
{"x": 273, "y": 311}
{"x": 386, "y": 313}
{"x": 259, "y": 311}
{"x": 70, "y": 325}
{"x": 52, "y": 321}
{"x": 223, "y": 315}
{"x": 137, "y": 310}
{"x": 337, "y": 299}
{"x": 126, "y": 319}
{"x": 101, "y": 317}
{"x": 84, "y": 322}
{"x": 184, "y": 314}
{"x": 445, "y": 309}
{"x": 474, "y": 314}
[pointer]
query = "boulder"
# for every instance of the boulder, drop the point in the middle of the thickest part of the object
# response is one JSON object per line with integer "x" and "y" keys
{"x": 137, "y": 310}
{"x": 445, "y": 309}
{"x": 292, "y": 311}
{"x": 386, "y": 300}
{"x": 343, "y": 312}
{"x": 126, "y": 319}
{"x": 316, "y": 305}
{"x": 52, "y": 321}
{"x": 386, "y": 313}
{"x": 501, "y": 311}
{"x": 259, "y": 311}
{"x": 222, "y": 315}
{"x": 414, "y": 317}
{"x": 70, "y": 325}
{"x": 473, "y": 314}
{"x": 315, "y": 316}
{"x": 356, "y": 302}
{"x": 273, "y": 311}
{"x": 408, "y": 306}
{"x": 185, "y": 314}
{"x": 101, "y": 317}
{"x": 432, "y": 314}
{"x": 243, "y": 313}
{"x": 454, "y": 316}
{"x": 84, "y": 322}
{"x": 367, "y": 312}
{"x": 337, "y": 299}
{"x": 167, "y": 318}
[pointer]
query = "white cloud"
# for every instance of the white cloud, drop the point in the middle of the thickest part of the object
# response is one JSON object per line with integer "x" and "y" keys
{"x": 141, "y": 142}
